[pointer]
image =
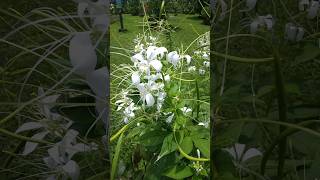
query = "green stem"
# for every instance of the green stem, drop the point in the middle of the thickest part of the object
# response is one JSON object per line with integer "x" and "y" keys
{"x": 282, "y": 109}
{"x": 284, "y": 134}
{"x": 24, "y": 138}
{"x": 241, "y": 59}
{"x": 185, "y": 154}
{"x": 119, "y": 133}
{"x": 115, "y": 159}
{"x": 291, "y": 125}
{"x": 198, "y": 98}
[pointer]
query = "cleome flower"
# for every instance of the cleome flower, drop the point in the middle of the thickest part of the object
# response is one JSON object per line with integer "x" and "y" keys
{"x": 128, "y": 105}
{"x": 173, "y": 58}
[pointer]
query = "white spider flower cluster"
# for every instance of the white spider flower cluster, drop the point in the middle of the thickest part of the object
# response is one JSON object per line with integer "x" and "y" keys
{"x": 150, "y": 72}
{"x": 128, "y": 107}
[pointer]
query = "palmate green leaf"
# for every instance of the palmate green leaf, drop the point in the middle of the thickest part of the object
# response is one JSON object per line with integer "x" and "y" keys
{"x": 179, "y": 172}
{"x": 169, "y": 145}
{"x": 265, "y": 90}
{"x": 229, "y": 135}
{"x": 155, "y": 170}
{"x": 309, "y": 53}
{"x": 198, "y": 132}
{"x": 187, "y": 145}
{"x": 203, "y": 145}
{"x": 306, "y": 144}
{"x": 224, "y": 165}
{"x": 313, "y": 172}
{"x": 153, "y": 138}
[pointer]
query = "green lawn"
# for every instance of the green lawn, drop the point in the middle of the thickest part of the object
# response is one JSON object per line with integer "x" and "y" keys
{"x": 189, "y": 27}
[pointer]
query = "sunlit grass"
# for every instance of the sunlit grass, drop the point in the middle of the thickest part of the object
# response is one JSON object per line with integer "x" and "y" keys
{"x": 189, "y": 27}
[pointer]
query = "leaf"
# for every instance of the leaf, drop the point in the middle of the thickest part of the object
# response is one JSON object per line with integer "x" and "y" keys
{"x": 203, "y": 145}
{"x": 82, "y": 54}
{"x": 31, "y": 146}
{"x": 225, "y": 162}
{"x": 29, "y": 126}
{"x": 115, "y": 159}
{"x": 229, "y": 136}
{"x": 155, "y": 170}
{"x": 187, "y": 145}
{"x": 292, "y": 88}
{"x": 306, "y": 144}
{"x": 168, "y": 146}
{"x": 313, "y": 172}
{"x": 265, "y": 90}
{"x": 179, "y": 172}
{"x": 152, "y": 138}
{"x": 72, "y": 169}
{"x": 309, "y": 53}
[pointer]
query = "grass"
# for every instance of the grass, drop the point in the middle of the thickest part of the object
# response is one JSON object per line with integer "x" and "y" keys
{"x": 189, "y": 27}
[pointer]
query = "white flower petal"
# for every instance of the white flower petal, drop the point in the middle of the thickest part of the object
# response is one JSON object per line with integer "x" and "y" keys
{"x": 313, "y": 10}
{"x": 188, "y": 58}
{"x": 149, "y": 100}
{"x": 252, "y": 152}
{"x": 169, "y": 119}
{"x": 137, "y": 57}
{"x": 156, "y": 64}
{"x": 135, "y": 78}
{"x": 167, "y": 78}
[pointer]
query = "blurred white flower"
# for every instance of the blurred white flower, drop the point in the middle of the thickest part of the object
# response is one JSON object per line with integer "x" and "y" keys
{"x": 198, "y": 153}
{"x": 161, "y": 51}
{"x": 206, "y": 64}
{"x": 313, "y": 10}
{"x": 240, "y": 154}
{"x": 303, "y": 4}
{"x": 205, "y": 56}
{"x": 137, "y": 57}
{"x": 174, "y": 58}
{"x": 156, "y": 64}
{"x": 294, "y": 33}
{"x": 191, "y": 69}
{"x": 188, "y": 58}
{"x": 167, "y": 78}
{"x": 149, "y": 99}
{"x": 151, "y": 53}
{"x": 202, "y": 71}
{"x": 261, "y": 21}
{"x": 185, "y": 110}
{"x": 169, "y": 119}
{"x": 135, "y": 77}
{"x": 204, "y": 124}
{"x": 160, "y": 100}
{"x": 126, "y": 120}
{"x": 129, "y": 112}
{"x": 139, "y": 48}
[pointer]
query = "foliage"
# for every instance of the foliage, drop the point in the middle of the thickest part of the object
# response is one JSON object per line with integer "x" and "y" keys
{"x": 165, "y": 131}
{"x": 55, "y": 125}
{"x": 265, "y": 60}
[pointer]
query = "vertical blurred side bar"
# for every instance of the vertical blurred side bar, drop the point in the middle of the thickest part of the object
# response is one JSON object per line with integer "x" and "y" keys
{"x": 213, "y": 9}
